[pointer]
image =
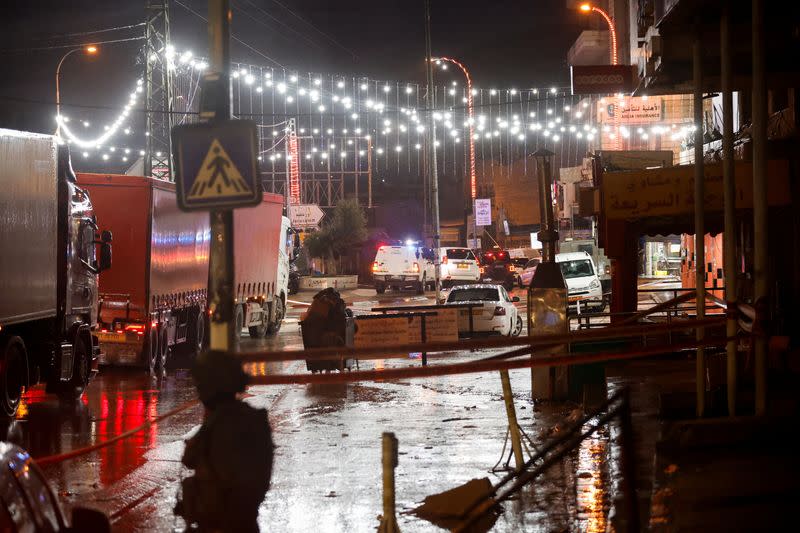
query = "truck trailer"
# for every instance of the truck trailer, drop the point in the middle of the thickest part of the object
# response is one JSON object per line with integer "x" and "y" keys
{"x": 155, "y": 299}
{"x": 48, "y": 270}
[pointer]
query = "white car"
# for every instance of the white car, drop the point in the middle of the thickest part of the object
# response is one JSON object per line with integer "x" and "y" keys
{"x": 495, "y": 313}
{"x": 583, "y": 285}
{"x": 399, "y": 267}
{"x": 458, "y": 266}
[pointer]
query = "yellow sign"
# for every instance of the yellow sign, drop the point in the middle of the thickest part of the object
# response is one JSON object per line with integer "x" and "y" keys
{"x": 218, "y": 177}
{"x": 670, "y": 191}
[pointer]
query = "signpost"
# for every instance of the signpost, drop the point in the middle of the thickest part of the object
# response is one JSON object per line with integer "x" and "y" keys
{"x": 305, "y": 216}
{"x": 483, "y": 212}
{"x": 216, "y": 165}
{"x": 216, "y": 172}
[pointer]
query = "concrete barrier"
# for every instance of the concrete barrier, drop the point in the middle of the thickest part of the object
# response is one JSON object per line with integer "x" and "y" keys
{"x": 317, "y": 283}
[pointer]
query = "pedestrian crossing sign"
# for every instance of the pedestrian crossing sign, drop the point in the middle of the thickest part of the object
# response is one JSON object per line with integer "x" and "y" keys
{"x": 216, "y": 165}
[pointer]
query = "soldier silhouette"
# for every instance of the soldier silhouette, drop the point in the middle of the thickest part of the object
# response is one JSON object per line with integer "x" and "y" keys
{"x": 231, "y": 453}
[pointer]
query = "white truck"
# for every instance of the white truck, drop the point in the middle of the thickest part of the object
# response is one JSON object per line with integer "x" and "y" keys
{"x": 48, "y": 270}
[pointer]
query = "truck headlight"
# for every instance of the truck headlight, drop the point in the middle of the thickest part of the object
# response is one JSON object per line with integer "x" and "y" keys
{"x": 595, "y": 284}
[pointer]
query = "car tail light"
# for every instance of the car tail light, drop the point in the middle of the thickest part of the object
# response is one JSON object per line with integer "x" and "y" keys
{"x": 483, "y": 270}
{"x": 499, "y": 311}
{"x": 136, "y": 328}
{"x": 375, "y": 266}
{"x": 415, "y": 267}
{"x": 444, "y": 260}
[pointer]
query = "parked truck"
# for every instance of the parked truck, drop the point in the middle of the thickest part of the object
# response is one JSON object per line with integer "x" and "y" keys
{"x": 155, "y": 299}
{"x": 48, "y": 270}
{"x": 263, "y": 248}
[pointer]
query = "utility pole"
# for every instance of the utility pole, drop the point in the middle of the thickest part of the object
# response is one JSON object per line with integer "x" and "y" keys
{"x": 222, "y": 334}
{"x": 699, "y": 222}
{"x": 432, "y": 167}
{"x": 158, "y": 91}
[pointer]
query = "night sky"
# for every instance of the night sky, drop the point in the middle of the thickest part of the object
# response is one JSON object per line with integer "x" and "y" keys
{"x": 505, "y": 43}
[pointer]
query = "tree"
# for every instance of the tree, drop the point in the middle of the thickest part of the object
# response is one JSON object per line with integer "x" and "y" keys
{"x": 345, "y": 228}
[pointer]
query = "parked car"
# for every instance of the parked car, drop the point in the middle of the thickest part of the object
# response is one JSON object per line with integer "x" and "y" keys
{"x": 526, "y": 276}
{"x": 458, "y": 266}
{"x": 583, "y": 284}
{"x": 399, "y": 267}
{"x": 27, "y": 503}
{"x": 495, "y": 315}
{"x": 519, "y": 265}
{"x": 496, "y": 267}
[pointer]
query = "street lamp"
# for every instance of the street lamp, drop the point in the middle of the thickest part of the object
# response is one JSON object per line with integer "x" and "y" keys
{"x": 473, "y": 185}
{"x": 588, "y": 8}
{"x": 89, "y": 50}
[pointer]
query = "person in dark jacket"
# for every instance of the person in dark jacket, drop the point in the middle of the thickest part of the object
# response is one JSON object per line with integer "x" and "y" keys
{"x": 231, "y": 454}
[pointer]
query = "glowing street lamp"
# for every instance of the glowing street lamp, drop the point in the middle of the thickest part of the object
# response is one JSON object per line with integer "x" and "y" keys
{"x": 89, "y": 50}
{"x": 470, "y": 111}
{"x": 589, "y": 8}
{"x": 473, "y": 184}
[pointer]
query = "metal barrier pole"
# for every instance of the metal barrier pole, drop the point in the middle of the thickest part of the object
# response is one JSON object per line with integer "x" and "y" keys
{"x": 513, "y": 426}
{"x": 424, "y": 336}
{"x": 729, "y": 184}
{"x": 760, "y": 215}
{"x": 389, "y": 520}
{"x": 699, "y": 221}
{"x": 628, "y": 455}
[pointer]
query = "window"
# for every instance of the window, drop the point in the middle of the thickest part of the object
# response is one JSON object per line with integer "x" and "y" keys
{"x": 576, "y": 269}
{"x": 459, "y": 253}
{"x": 86, "y": 244}
{"x": 473, "y": 295}
{"x": 533, "y": 263}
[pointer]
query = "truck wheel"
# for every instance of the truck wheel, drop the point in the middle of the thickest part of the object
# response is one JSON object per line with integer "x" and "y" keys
{"x": 275, "y": 327}
{"x": 238, "y": 321}
{"x": 81, "y": 371}
{"x": 13, "y": 374}
{"x": 259, "y": 331}
{"x": 151, "y": 352}
{"x": 380, "y": 289}
{"x": 421, "y": 286}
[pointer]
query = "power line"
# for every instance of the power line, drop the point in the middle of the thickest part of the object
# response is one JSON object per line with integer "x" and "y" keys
{"x": 280, "y": 24}
{"x": 63, "y": 46}
{"x": 92, "y": 32}
{"x": 233, "y": 36}
{"x": 331, "y": 39}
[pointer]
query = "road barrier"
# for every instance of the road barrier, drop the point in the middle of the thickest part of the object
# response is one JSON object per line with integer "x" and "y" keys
{"x": 616, "y": 407}
{"x": 401, "y": 351}
{"x": 484, "y": 365}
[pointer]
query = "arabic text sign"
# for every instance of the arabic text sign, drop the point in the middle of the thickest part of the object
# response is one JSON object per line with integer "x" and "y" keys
{"x": 383, "y": 331}
{"x": 670, "y": 191}
{"x": 602, "y": 79}
{"x": 483, "y": 212}
{"x": 636, "y": 110}
{"x": 305, "y": 215}
{"x": 442, "y": 327}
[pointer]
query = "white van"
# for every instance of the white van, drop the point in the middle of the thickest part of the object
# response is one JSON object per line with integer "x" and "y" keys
{"x": 399, "y": 267}
{"x": 583, "y": 285}
{"x": 458, "y": 266}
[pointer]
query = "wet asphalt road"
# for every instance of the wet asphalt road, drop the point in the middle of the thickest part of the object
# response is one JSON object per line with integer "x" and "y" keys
{"x": 328, "y": 463}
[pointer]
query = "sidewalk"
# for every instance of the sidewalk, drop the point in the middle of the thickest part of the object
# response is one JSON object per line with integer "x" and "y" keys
{"x": 714, "y": 474}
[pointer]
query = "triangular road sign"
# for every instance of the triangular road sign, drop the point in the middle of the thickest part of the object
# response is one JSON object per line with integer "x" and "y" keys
{"x": 218, "y": 177}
